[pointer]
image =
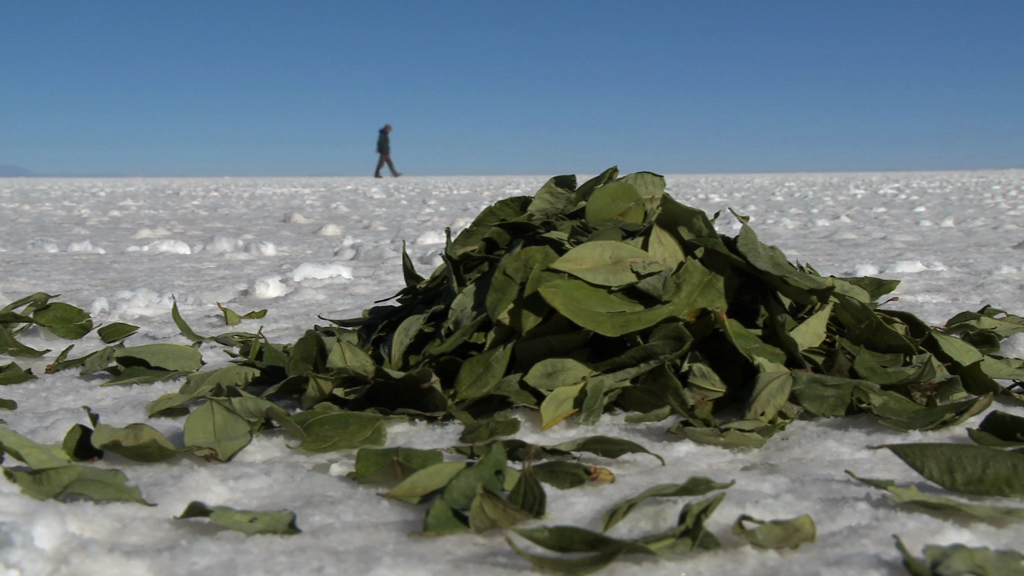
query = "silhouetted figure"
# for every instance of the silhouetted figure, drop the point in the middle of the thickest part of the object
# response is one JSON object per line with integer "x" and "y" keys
{"x": 384, "y": 149}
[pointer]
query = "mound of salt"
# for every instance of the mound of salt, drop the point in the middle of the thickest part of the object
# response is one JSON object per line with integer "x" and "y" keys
{"x": 268, "y": 287}
{"x": 220, "y": 245}
{"x": 85, "y": 246}
{"x": 260, "y": 248}
{"x": 167, "y": 247}
{"x": 431, "y": 237}
{"x": 329, "y": 230}
{"x": 310, "y": 270}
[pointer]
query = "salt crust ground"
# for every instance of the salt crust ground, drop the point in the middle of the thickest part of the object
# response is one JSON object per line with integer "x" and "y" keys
{"x": 302, "y": 248}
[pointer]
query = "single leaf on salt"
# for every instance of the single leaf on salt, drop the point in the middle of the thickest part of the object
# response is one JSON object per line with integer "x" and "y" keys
{"x": 217, "y": 432}
{"x": 690, "y": 532}
{"x": 965, "y": 468}
{"x": 999, "y": 429}
{"x": 957, "y": 560}
{"x": 30, "y": 302}
{"x": 343, "y": 430}
{"x": 606, "y": 447}
{"x": 174, "y": 357}
{"x": 573, "y": 539}
{"x": 422, "y": 483}
{"x": 139, "y": 442}
{"x": 694, "y": 486}
{"x": 247, "y": 521}
{"x": 9, "y": 318}
{"x": 76, "y": 481}
{"x": 776, "y": 533}
{"x": 574, "y": 565}
{"x": 183, "y": 326}
{"x": 933, "y": 502}
{"x": 391, "y": 465}
{"x": 143, "y": 375}
{"x": 13, "y": 374}
{"x": 64, "y": 320}
{"x": 33, "y": 454}
{"x": 10, "y": 346}
{"x": 116, "y": 331}
{"x": 232, "y": 318}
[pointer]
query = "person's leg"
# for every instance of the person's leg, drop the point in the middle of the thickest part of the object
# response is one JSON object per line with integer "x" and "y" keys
{"x": 391, "y": 166}
{"x": 380, "y": 164}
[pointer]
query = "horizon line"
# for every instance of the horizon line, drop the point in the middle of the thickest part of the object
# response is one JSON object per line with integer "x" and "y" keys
{"x": 32, "y": 175}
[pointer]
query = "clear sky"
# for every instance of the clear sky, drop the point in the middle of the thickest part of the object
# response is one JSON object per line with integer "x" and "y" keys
{"x": 273, "y": 88}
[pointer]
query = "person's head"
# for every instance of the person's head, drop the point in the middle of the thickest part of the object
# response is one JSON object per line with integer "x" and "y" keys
{"x": 387, "y": 128}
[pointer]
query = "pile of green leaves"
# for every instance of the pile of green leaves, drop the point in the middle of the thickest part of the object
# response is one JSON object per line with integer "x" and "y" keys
{"x": 610, "y": 296}
{"x": 613, "y": 296}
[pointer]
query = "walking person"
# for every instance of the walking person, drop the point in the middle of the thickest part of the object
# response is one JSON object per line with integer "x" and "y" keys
{"x": 384, "y": 149}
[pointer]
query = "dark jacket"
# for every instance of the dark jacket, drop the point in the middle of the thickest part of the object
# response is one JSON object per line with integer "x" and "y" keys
{"x": 383, "y": 142}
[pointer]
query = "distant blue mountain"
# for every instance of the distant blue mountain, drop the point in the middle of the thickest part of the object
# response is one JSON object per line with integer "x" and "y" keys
{"x": 11, "y": 170}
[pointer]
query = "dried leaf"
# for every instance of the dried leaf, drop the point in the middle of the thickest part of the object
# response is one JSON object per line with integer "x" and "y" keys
{"x": 247, "y": 521}
{"x": 776, "y": 533}
{"x": 964, "y": 468}
{"x": 694, "y": 486}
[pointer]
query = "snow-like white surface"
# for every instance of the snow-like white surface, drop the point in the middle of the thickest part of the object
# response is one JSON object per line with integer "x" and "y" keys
{"x": 122, "y": 249}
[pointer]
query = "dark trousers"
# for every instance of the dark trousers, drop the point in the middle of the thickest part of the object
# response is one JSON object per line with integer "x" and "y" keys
{"x": 385, "y": 159}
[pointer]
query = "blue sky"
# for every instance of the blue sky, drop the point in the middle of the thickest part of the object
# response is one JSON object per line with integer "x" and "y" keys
{"x": 271, "y": 88}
